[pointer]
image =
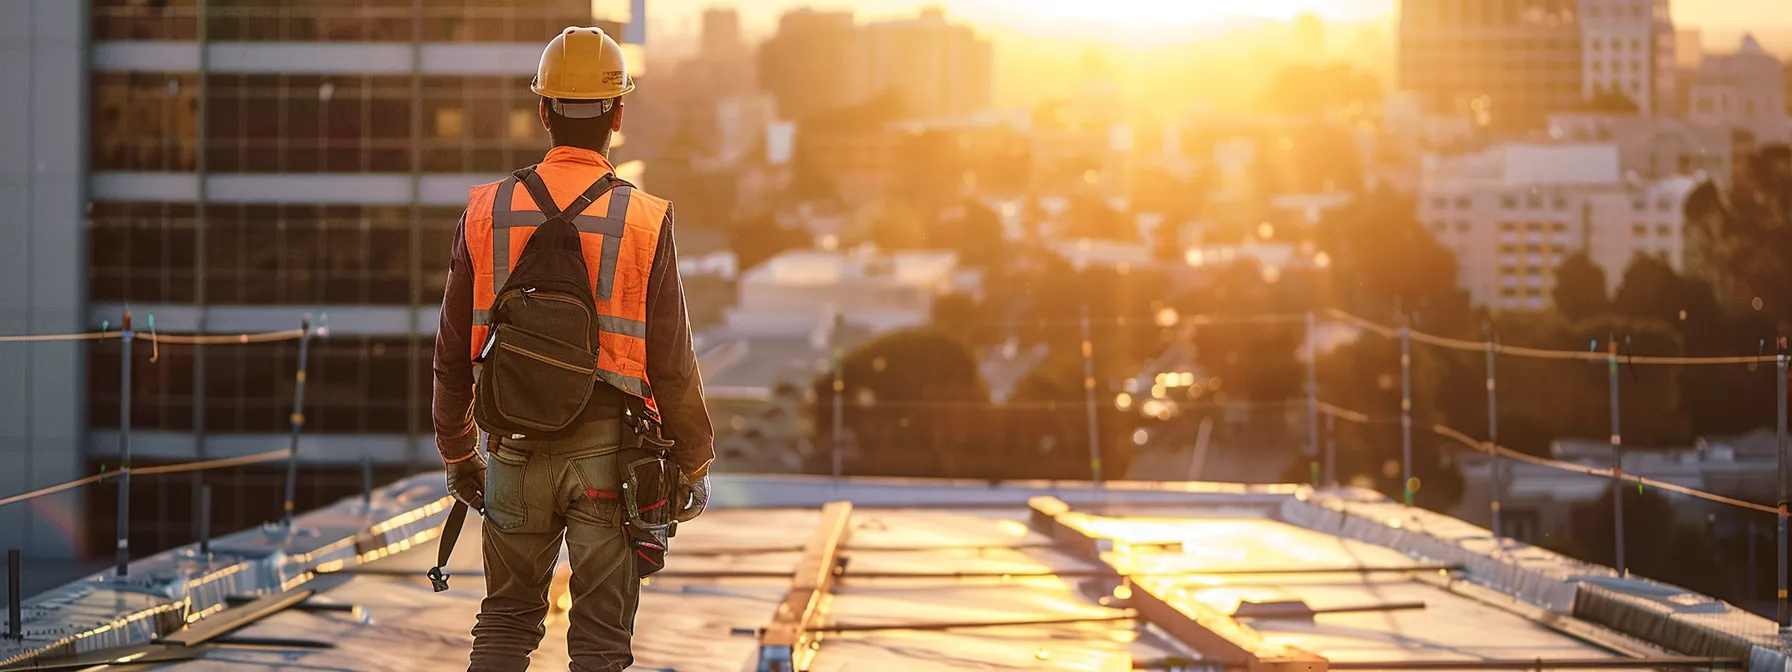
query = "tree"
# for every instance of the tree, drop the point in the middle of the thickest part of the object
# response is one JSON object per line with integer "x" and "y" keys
{"x": 914, "y": 403}
{"x": 1580, "y": 288}
{"x": 965, "y": 319}
{"x": 1709, "y": 394}
{"x": 976, "y": 234}
{"x": 1612, "y": 101}
{"x": 1315, "y": 158}
{"x": 1044, "y": 432}
{"x": 897, "y": 226}
{"x": 1258, "y": 362}
{"x": 1385, "y": 261}
{"x": 1651, "y": 290}
{"x": 760, "y": 238}
{"x": 939, "y": 177}
{"x": 1749, "y": 231}
{"x": 1091, "y": 217}
{"x": 1573, "y": 400}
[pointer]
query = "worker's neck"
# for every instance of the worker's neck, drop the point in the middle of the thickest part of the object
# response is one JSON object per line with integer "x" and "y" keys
{"x": 602, "y": 150}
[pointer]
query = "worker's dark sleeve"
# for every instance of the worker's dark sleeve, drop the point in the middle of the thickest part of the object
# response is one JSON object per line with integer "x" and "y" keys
{"x": 453, "y": 405}
{"x": 672, "y": 363}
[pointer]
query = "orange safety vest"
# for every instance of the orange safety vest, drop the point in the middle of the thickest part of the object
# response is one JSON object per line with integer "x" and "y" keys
{"x": 619, "y": 249}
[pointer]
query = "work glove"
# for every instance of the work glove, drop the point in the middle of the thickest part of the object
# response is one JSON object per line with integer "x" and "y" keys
{"x": 466, "y": 481}
{"x": 696, "y": 497}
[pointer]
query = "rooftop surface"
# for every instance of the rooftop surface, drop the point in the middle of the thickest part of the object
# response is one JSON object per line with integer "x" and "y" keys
{"x": 1240, "y": 576}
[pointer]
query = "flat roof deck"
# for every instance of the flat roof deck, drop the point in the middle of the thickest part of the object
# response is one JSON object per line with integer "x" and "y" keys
{"x": 690, "y": 622}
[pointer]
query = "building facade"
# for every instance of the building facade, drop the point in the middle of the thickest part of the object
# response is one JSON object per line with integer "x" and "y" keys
{"x": 1654, "y": 147}
{"x": 1512, "y": 214}
{"x": 936, "y": 68}
{"x": 1506, "y": 62}
{"x": 1745, "y": 90}
{"x": 929, "y": 67}
{"x": 1628, "y": 48}
{"x": 1509, "y": 63}
{"x": 809, "y": 64}
{"x": 242, "y": 165}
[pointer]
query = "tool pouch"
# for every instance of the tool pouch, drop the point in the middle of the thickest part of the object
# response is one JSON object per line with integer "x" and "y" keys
{"x": 650, "y": 489}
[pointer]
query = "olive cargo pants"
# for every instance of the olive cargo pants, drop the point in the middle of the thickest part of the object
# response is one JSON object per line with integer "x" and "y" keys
{"x": 538, "y": 494}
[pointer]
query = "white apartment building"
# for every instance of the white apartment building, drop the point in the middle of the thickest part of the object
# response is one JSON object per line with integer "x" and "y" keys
{"x": 799, "y": 292}
{"x": 1653, "y": 147}
{"x": 1745, "y": 90}
{"x": 1511, "y": 214}
{"x": 1627, "y": 48}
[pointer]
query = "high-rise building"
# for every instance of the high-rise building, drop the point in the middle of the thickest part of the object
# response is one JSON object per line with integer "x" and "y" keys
{"x": 1309, "y": 37}
{"x": 811, "y": 64}
{"x": 934, "y": 67}
{"x": 1628, "y": 48}
{"x": 1513, "y": 213}
{"x": 822, "y": 60}
{"x": 721, "y": 34}
{"x": 1506, "y": 62}
{"x": 227, "y": 167}
{"x": 1510, "y": 63}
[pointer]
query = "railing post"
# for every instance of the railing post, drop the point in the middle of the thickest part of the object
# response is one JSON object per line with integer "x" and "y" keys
{"x": 839, "y": 425}
{"x": 1331, "y": 450}
{"x": 1617, "y": 457}
{"x": 1780, "y": 364}
{"x": 1089, "y": 401}
{"x": 1312, "y": 389}
{"x": 15, "y": 596}
{"x": 1406, "y": 484}
{"x": 1496, "y": 468}
{"x": 367, "y": 483}
{"x": 205, "y": 520}
{"x": 126, "y": 336}
{"x": 298, "y": 418}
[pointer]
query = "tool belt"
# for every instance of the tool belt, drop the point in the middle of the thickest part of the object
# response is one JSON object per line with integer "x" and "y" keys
{"x": 650, "y": 492}
{"x": 652, "y": 495}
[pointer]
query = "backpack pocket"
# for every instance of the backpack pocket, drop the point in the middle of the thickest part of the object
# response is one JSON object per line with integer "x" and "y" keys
{"x": 536, "y": 382}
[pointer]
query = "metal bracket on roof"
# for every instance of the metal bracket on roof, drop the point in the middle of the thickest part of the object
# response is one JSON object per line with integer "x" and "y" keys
{"x": 790, "y": 642}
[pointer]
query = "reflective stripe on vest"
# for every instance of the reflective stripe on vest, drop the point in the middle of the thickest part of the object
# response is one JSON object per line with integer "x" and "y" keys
{"x": 618, "y": 247}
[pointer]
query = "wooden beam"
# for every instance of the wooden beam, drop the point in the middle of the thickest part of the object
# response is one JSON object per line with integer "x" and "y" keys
{"x": 234, "y": 618}
{"x": 1218, "y": 637}
{"x": 789, "y": 643}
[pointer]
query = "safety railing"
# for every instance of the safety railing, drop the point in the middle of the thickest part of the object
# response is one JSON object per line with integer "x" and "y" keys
{"x": 127, "y": 336}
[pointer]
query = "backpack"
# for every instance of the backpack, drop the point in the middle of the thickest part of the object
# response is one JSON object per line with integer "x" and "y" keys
{"x": 539, "y": 364}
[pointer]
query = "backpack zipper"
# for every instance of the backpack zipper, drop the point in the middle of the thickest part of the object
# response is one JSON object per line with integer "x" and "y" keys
{"x": 547, "y": 360}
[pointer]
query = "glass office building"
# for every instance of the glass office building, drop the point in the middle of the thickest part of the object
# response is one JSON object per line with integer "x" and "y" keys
{"x": 228, "y": 166}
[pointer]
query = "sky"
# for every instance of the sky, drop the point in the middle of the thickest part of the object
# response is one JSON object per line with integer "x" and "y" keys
{"x": 677, "y": 16}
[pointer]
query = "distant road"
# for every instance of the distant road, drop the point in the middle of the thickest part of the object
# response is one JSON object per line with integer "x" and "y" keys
{"x": 1235, "y": 456}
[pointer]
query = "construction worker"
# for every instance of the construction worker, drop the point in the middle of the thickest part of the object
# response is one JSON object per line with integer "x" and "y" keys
{"x": 544, "y": 487}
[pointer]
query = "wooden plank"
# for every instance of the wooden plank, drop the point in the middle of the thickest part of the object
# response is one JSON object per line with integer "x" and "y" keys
{"x": 789, "y": 643}
{"x": 1217, "y": 636}
{"x": 234, "y": 618}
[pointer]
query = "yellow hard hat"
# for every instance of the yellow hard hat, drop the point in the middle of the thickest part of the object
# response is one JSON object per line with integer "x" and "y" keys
{"x": 582, "y": 71}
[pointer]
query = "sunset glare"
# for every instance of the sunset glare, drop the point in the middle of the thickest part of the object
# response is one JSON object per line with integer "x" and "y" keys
{"x": 1154, "y": 14}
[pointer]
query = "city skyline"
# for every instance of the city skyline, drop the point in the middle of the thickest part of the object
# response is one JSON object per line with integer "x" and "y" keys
{"x": 681, "y": 18}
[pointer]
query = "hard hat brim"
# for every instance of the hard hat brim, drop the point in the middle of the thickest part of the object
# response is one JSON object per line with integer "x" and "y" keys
{"x": 628, "y": 87}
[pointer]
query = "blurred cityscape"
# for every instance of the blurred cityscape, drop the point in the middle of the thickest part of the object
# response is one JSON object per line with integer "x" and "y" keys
{"x": 921, "y": 241}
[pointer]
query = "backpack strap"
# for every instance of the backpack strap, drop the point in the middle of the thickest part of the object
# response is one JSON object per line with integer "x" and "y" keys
{"x": 610, "y": 226}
